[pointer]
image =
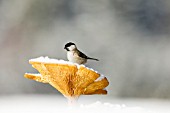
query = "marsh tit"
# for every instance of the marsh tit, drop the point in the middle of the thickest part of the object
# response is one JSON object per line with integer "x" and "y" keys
{"x": 76, "y": 56}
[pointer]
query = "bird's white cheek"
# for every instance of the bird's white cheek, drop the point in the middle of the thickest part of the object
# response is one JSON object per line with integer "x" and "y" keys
{"x": 72, "y": 47}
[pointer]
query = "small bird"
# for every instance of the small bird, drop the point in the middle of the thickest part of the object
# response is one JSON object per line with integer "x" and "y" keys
{"x": 76, "y": 56}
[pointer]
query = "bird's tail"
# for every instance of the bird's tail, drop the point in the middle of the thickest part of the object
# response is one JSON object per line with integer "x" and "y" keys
{"x": 92, "y": 59}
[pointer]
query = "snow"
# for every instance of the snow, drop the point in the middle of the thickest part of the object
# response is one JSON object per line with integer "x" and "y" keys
{"x": 100, "y": 107}
{"x": 86, "y": 104}
{"x": 38, "y": 74}
{"x": 50, "y": 60}
{"x": 56, "y": 61}
{"x": 101, "y": 77}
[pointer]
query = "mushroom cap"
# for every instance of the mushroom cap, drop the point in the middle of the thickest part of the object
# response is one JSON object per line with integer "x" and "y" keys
{"x": 71, "y": 79}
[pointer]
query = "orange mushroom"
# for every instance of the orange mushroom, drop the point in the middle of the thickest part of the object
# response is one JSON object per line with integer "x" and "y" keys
{"x": 71, "y": 79}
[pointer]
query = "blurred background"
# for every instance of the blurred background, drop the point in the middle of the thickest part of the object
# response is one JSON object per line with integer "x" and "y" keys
{"x": 131, "y": 39}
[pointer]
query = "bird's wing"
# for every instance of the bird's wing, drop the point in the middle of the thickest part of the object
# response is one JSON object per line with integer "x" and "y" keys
{"x": 82, "y": 55}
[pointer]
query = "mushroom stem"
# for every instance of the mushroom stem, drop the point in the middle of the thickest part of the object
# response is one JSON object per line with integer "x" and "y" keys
{"x": 72, "y": 101}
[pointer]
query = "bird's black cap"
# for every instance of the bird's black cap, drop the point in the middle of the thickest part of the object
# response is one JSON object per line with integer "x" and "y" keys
{"x": 68, "y": 45}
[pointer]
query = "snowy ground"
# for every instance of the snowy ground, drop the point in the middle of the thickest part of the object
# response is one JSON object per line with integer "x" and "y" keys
{"x": 85, "y": 104}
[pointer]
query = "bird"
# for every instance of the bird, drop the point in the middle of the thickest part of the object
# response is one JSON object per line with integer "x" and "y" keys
{"x": 76, "y": 56}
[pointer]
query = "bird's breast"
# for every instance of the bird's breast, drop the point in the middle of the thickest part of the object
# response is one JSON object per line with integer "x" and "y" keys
{"x": 73, "y": 57}
{"x": 70, "y": 56}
